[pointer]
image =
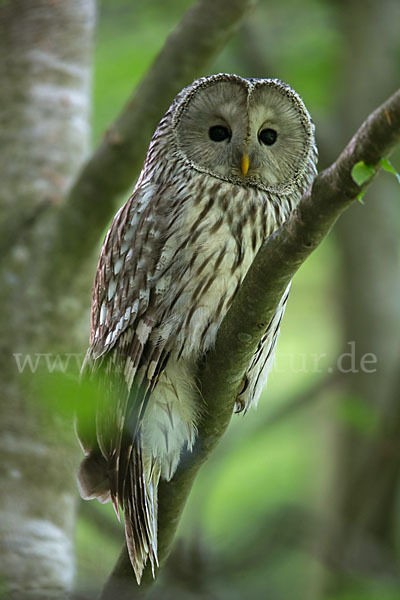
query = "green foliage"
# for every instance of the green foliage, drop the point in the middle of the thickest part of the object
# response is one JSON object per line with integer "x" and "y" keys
{"x": 361, "y": 173}
{"x": 387, "y": 166}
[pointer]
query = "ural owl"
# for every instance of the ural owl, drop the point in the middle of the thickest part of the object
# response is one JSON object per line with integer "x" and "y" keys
{"x": 227, "y": 164}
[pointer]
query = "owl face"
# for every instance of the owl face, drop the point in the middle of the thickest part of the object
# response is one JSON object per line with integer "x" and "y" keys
{"x": 253, "y": 132}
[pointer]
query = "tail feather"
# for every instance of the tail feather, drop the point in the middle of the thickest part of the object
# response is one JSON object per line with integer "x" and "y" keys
{"x": 136, "y": 494}
{"x": 140, "y": 510}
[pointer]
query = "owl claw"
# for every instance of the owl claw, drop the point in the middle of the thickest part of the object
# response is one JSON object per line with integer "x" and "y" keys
{"x": 239, "y": 406}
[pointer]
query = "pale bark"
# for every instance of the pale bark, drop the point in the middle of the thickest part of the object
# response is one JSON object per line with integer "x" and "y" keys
{"x": 44, "y": 105}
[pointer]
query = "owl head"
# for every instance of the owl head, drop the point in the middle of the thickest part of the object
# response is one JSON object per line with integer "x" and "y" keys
{"x": 249, "y": 132}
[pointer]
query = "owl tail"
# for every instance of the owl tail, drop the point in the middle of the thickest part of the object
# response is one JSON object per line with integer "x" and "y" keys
{"x": 134, "y": 486}
{"x": 139, "y": 501}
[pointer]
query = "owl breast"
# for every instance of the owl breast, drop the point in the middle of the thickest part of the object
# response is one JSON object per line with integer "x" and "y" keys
{"x": 217, "y": 237}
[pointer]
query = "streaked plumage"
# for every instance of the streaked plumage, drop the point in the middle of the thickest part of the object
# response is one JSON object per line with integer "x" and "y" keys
{"x": 170, "y": 266}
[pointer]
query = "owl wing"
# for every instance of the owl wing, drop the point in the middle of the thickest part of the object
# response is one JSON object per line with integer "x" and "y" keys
{"x": 122, "y": 286}
{"x": 124, "y": 357}
{"x": 262, "y": 360}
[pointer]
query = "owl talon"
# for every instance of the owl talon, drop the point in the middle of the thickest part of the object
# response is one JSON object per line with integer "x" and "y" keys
{"x": 239, "y": 406}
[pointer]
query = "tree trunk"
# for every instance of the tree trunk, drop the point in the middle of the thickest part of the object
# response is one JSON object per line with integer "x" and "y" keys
{"x": 44, "y": 115}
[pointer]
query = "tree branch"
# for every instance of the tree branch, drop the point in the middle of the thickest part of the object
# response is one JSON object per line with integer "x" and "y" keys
{"x": 202, "y": 32}
{"x": 221, "y": 373}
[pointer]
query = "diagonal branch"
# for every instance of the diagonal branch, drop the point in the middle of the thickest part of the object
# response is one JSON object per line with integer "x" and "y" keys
{"x": 277, "y": 261}
{"x": 203, "y": 31}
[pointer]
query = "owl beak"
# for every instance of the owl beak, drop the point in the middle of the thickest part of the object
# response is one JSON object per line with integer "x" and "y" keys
{"x": 244, "y": 165}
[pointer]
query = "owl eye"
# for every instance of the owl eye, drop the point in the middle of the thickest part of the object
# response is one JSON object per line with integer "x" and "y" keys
{"x": 219, "y": 133}
{"x": 268, "y": 136}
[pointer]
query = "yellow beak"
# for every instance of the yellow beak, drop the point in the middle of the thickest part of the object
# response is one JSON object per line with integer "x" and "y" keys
{"x": 244, "y": 165}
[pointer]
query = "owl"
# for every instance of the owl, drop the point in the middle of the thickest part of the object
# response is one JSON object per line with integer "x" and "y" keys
{"x": 226, "y": 165}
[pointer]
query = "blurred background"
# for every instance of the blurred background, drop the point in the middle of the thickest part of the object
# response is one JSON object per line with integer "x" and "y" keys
{"x": 300, "y": 500}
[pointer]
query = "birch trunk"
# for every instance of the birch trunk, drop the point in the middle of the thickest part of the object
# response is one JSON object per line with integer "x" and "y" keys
{"x": 45, "y": 50}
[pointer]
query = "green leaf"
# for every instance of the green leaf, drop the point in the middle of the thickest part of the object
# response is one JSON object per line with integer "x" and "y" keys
{"x": 360, "y": 197}
{"x": 361, "y": 172}
{"x": 387, "y": 166}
